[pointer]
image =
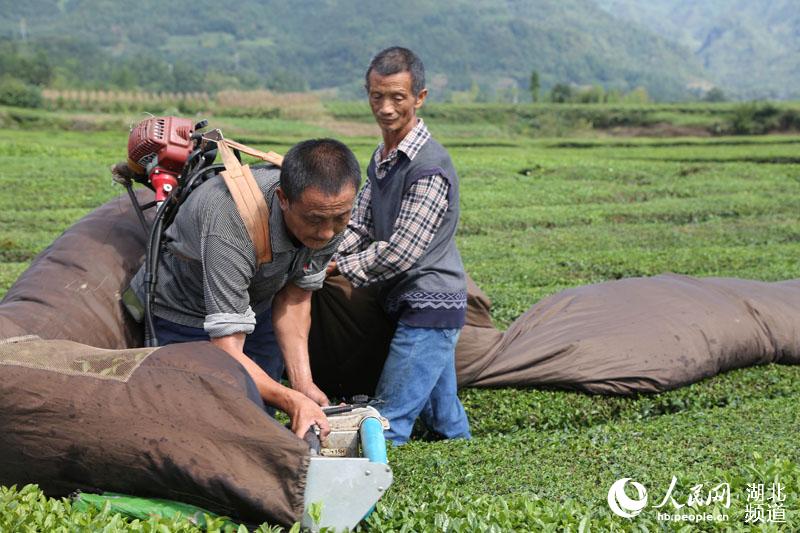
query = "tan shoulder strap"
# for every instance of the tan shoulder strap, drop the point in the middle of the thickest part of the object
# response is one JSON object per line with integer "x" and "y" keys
{"x": 246, "y": 194}
{"x": 269, "y": 157}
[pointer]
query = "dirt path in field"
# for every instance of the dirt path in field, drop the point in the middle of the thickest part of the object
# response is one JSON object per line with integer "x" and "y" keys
{"x": 349, "y": 128}
{"x": 661, "y": 129}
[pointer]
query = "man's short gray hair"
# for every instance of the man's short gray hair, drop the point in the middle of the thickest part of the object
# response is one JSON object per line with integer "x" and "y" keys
{"x": 326, "y": 164}
{"x": 398, "y": 59}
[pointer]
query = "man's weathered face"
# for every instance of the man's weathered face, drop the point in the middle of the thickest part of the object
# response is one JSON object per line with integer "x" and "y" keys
{"x": 315, "y": 217}
{"x": 394, "y": 103}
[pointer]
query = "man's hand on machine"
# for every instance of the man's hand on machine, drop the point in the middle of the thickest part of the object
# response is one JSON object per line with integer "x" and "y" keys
{"x": 304, "y": 413}
{"x": 310, "y": 390}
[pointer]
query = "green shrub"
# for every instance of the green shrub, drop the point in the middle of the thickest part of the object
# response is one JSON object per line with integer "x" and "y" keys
{"x": 759, "y": 119}
{"x": 17, "y": 93}
{"x": 790, "y": 120}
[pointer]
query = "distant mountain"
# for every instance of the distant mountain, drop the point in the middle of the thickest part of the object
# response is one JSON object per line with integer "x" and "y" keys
{"x": 491, "y": 44}
{"x": 749, "y": 48}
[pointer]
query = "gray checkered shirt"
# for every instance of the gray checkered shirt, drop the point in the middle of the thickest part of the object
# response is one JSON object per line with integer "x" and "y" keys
{"x": 208, "y": 275}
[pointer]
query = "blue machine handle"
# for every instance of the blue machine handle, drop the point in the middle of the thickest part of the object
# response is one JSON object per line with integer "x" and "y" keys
{"x": 373, "y": 444}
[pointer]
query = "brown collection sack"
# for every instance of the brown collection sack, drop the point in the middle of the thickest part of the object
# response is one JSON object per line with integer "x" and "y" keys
{"x": 72, "y": 289}
{"x": 182, "y": 422}
{"x": 84, "y": 409}
{"x": 643, "y": 335}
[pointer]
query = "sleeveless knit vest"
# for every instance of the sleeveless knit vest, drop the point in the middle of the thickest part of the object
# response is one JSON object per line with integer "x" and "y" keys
{"x": 432, "y": 293}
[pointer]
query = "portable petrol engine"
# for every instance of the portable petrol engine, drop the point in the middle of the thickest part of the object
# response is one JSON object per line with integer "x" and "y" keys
{"x": 158, "y": 148}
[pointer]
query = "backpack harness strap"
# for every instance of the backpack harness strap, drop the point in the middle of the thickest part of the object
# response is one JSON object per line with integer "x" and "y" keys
{"x": 246, "y": 194}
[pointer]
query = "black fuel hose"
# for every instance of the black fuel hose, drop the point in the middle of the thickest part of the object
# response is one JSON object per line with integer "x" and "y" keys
{"x": 166, "y": 214}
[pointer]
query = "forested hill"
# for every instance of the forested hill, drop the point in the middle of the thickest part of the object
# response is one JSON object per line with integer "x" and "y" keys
{"x": 491, "y": 45}
{"x": 750, "y": 47}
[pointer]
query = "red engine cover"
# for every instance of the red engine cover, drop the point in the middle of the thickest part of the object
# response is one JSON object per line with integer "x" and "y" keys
{"x": 165, "y": 138}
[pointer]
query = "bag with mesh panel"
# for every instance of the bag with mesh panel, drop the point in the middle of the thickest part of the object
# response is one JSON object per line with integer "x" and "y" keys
{"x": 83, "y": 407}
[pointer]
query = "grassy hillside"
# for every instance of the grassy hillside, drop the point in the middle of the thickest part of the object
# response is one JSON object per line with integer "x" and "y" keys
{"x": 494, "y": 44}
{"x": 569, "y": 212}
{"x": 750, "y": 48}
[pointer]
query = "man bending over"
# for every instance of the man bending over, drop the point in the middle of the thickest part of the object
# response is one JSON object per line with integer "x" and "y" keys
{"x": 211, "y": 287}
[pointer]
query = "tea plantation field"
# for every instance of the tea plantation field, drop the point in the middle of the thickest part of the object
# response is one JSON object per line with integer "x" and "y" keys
{"x": 538, "y": 215}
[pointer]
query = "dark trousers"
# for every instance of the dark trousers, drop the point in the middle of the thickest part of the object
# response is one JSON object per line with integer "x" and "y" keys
{"x": 261, "y": 345}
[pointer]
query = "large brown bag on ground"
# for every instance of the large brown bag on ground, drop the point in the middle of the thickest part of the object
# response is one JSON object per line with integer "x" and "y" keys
{"x": 72, "y": 289}
{"x": 641, "y": 335}
{"x": 183, "y": 422}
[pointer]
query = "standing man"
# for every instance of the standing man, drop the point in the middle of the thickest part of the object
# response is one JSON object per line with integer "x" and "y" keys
{"x": 211, "y": 287}
{"x": 402, "y": 237}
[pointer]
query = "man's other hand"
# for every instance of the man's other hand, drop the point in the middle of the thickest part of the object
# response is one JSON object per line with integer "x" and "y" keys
{"x": 332, "y": 269}
{"x": 310, "y": 390}
{"x": 304, "y": 413}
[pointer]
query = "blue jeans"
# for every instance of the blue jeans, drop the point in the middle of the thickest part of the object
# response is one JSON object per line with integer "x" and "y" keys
{"x": 261, "y": 345}
{"x": 419, "y": 379}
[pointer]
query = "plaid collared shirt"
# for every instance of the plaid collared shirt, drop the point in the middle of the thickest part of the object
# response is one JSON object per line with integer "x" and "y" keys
{"x": 364, "y": 261}
{"x": 410, "y": 145}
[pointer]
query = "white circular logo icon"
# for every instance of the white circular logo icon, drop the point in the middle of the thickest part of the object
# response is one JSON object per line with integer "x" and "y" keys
{"x": 621, "y": 504}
